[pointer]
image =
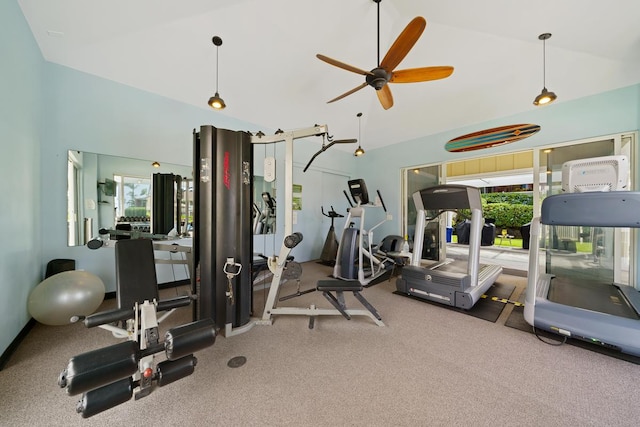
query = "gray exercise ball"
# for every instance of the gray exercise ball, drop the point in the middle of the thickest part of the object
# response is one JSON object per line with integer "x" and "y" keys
{"x": 71, "y": 293}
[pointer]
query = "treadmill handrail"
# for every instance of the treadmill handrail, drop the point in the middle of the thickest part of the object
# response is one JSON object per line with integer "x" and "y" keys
{"x": 534, "y": 270}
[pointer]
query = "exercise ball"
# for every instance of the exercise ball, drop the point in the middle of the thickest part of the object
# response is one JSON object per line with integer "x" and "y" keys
{"x": 70, "y": 293}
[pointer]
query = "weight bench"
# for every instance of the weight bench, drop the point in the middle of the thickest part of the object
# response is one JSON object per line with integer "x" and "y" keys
{"x": 327, "y": 287}
{"x": 339, "y": 287}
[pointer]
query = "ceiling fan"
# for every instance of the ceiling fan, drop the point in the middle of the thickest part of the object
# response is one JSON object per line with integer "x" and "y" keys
{"x": 385, "y": 71}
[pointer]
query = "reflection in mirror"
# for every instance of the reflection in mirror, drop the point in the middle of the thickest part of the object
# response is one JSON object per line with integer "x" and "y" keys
{"x": 264, "y": 206}
{"x": 125, "y": 195}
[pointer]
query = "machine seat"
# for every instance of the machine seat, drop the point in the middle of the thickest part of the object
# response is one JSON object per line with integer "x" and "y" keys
{"x": 332, "y": 285}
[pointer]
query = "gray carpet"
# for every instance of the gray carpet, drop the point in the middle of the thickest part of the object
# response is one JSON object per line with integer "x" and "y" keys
{"x": 427, "y": 366}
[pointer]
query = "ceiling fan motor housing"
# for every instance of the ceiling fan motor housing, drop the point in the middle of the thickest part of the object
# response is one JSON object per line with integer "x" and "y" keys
{"x": 378, "y": 78}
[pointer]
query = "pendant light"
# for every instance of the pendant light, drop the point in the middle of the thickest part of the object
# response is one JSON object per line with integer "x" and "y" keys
{"x": 359, "y": 151}
{"x": 545, "y": 96}
{"x": 215, "y": 101}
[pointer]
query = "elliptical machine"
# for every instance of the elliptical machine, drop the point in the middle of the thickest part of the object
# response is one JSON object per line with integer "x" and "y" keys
{"x": 356, "y": 258}
{"x": 330, "y": 248}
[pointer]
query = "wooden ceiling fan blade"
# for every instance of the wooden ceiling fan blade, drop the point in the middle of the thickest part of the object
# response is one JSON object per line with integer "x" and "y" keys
{"x": 342, "y": 65}
{"x": 385, "y": 97}
{"x": 424, "y": 74}
{"x": 348, "y": 93}
{"x": 403, "y": 44}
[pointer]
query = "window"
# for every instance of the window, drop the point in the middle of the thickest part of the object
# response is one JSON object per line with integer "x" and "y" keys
{"x": 132, "y": 198}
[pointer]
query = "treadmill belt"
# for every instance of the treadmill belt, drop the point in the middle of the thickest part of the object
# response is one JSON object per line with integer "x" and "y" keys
{"x": 590, "y": 295}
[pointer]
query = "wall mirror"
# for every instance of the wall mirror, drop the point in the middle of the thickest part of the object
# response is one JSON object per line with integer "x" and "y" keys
{"x": 111, "y": 192}
{"x": 104, "y": 191}
{"x": 264, "y": 206}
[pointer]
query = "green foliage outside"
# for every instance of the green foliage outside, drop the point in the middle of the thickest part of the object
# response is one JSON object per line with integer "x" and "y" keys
{"x": 507, "y": 210}
{"x": 508, "y": 216}
{"x": 510, "y": 198}
{"x": 136, "y": 211}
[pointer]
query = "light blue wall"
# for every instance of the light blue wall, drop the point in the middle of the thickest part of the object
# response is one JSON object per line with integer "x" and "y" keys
{"x": 21, "y": 67}
{"x": 603, "y": 114}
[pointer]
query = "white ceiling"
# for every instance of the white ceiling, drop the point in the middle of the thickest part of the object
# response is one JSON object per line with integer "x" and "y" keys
{"x": 269, "y": 75}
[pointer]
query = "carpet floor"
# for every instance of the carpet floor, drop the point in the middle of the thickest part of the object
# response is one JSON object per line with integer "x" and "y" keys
{"x": 426, "y": 366}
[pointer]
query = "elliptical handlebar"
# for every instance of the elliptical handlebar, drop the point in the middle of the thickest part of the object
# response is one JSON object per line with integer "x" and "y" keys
{"x": 332, "y": 213}
{"x": 348, "y": 198}
{"x": 381, "y": 201}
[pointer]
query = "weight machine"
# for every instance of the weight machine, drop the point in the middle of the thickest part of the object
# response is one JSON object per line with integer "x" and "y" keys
{"x": 111, "y": 375}
{"x": 223, "y": 241}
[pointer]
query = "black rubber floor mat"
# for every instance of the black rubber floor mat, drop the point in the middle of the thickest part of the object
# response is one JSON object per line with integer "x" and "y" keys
{"x": 488, "y": 308}
{"x": 516, "y": 321}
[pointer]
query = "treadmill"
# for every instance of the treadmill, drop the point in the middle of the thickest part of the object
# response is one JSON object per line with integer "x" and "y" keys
{"x": 456, "y": 283}
{"x": 585, "y": 303}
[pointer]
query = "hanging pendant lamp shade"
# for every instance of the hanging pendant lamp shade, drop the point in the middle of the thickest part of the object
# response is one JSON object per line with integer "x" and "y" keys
{"x": 359, "y": 151}
{"x": 545, "y": 96}
{"x": 216, "y": 102}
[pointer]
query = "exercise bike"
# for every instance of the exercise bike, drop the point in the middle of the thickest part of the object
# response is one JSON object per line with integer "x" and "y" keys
{"x": 330, "y": 248}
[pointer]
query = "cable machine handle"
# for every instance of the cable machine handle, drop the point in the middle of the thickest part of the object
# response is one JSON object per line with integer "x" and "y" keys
{"x": 381, "y": 201}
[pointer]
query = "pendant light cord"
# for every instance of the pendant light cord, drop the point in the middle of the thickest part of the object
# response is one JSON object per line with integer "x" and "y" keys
{"x": 544, "y": 63}
{"x": 217, "y": 49}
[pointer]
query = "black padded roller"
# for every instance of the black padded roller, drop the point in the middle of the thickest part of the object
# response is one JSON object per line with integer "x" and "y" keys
{"x": 110, "y": 316}
{"x": 103, "y": 398}
{"x": 173, "y": 370}
{"x": 292, "y": 240}
{"x": 169, "y": 304}
{"x": 96, "y": 368}
{"x": 186, "y": 339}
{"x": 95, "y": 244}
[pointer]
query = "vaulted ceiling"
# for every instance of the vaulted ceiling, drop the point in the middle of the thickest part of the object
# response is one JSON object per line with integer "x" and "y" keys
{"x": 269, "y": 75}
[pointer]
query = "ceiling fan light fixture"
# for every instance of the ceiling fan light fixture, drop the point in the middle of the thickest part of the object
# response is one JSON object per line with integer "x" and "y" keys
{"x": 545, "y": 96}
{"x": 216, "y": 102}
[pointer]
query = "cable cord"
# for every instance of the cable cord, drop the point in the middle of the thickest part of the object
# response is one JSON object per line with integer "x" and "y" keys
{"x": 549, "y": 342}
